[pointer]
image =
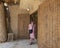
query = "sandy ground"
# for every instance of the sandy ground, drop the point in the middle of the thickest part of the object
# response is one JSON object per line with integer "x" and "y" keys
{"x": 18, "y": 44}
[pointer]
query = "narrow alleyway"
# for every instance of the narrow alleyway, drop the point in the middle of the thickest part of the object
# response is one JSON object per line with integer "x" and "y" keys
{"x": 18, "y": 44}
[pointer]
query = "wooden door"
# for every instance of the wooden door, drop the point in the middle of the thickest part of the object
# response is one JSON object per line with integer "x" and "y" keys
{"x": 24, "y": 20}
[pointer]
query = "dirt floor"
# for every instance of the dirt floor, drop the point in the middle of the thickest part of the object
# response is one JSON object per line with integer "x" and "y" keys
{"x": 18, "y": 44}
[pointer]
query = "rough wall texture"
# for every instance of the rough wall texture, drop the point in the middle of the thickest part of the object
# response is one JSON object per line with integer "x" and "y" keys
{"x": 14, "y": 12}
{"x": 23, "y": 23}
{"x": 30, "y": 4}
{"x": 49, "y": 24}
{"x": 2, "y": 25}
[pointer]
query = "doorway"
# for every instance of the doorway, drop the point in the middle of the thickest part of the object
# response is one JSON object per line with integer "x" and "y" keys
{"x": 34, "y": 18}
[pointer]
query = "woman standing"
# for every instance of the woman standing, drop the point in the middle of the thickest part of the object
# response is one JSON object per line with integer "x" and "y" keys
{"x": 31, "y": 32}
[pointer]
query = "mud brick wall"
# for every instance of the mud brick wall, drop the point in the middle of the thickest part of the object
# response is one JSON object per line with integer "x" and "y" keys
{"x": 49, "y": 24}
{"x": 14, "y": 13}
{"x": 23, "y": 22}
{"x": 3, "y": 35}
